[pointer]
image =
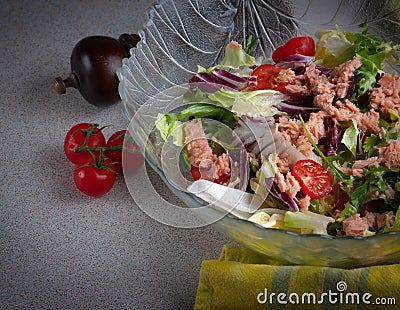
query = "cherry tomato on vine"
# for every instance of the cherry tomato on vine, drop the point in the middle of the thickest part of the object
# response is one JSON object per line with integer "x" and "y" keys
{"x": 299, "y": 45}
{"x": 116, "y": 140}
{"x": 132, "y": 158}
{"x": 314, "y": 180}
{"x": 266, "y": 78}
{"x": 76, "y": 137}
{"x": 95, "y": 176}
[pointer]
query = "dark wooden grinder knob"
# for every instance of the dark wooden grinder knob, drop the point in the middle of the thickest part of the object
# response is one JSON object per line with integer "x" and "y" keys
{"x": 94, "y": 62}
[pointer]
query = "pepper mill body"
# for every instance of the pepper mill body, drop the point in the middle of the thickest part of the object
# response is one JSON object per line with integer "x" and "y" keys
{"x": 94, "y": 62}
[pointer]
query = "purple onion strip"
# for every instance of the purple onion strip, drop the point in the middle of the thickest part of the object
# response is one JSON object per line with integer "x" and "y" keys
{"x": 284, "y": 198}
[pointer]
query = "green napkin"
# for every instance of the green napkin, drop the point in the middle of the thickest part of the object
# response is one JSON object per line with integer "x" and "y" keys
{"x": 242, "y": 279}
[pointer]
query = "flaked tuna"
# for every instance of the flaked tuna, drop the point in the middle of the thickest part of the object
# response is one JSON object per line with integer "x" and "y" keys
{"x": 200, "y": 154}
{"x": 390, "y": 154}
{"x": 355, "y": 225}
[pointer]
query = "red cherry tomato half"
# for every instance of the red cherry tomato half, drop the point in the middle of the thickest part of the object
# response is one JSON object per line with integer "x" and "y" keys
{"x": 76, "y": 137}
{"x": 92, "y": 178}
{"x": 315, "y": 181}
{"x": 299, "y": 45}
{"x": 266, "y": 78}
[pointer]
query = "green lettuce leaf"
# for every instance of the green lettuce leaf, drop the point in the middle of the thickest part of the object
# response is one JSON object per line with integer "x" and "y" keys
{"x": 169, "y": 128}
{"x": 224, "y": 97}
{"x": 235, "y": 58}
{"x": 308, "y": 220}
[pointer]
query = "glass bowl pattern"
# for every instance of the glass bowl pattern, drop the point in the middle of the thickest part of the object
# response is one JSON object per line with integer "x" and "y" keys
{"x": 179, "y": 35}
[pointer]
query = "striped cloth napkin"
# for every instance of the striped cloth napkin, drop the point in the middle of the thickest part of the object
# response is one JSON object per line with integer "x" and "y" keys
{"x": 242, "y": 279}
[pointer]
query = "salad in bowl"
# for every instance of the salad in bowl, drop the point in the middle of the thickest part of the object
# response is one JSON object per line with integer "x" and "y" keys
{"x": 307, "y": 142}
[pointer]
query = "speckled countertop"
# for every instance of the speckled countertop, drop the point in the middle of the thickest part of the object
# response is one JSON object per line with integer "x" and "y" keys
{"x": 58, "y": 248}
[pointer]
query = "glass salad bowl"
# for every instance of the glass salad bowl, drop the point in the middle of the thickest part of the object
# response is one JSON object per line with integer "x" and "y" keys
{"x": 179, "y": 36}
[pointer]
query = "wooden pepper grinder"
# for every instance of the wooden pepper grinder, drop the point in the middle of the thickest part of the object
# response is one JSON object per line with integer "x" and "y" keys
{"x": 94, "y": 62}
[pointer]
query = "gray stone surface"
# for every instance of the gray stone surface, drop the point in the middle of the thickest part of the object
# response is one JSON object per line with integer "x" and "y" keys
{"x": 58, "y": 248}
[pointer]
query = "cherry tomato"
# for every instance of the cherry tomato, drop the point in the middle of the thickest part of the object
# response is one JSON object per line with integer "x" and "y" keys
{"x": 132, "y": 157}
{"x": 266, "y": 78}
{"x": 315, "y": 181}
{"x": 130, "y": 151}
{"x": 94, "y": 176}
{"x": 76, "y": 137}
{"x": 116, "y": 140}
{"x": 222, "y": 179}
{"x": 195, "y": 173}
{"x": 299, "y": 45}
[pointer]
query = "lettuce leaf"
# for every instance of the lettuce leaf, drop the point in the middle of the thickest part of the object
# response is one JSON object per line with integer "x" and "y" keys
{"x": 170, "y": 128}
{"x": 236, "y": 57}
{"x": 308, "y": 220}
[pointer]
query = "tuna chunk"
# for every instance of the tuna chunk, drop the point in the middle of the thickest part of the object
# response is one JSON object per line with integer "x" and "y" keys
{"x": 390, "y": 154}
{"x": 378, "y": 220}
{"x": 200, "y": 155}
{"x": 357, "y": 168}
{"x": 304, "y": 203}
{"x": 355, "y": 225}
{"x": 287, "y": 184}
{"x": 196, "y": 143}
{"x": 363, "y": 163}
{"x": 317, "y": 83}
{"x": 369, "y": 121}
{"x": 345, "y": 72}
{"x": 315, "y": 126}
{"x": 386, "y": 97}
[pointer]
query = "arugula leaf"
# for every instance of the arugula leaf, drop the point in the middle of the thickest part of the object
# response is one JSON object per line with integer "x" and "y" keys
{"x": 376, "y": 180}
{"x": 336, "y": 47}
{"x": 378, "y": 140}
{"x": 348, "y": 211}
{"x": 365, "y": 76}
{"x": 350, "y": 137}
{"x": 372, "y": 141}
